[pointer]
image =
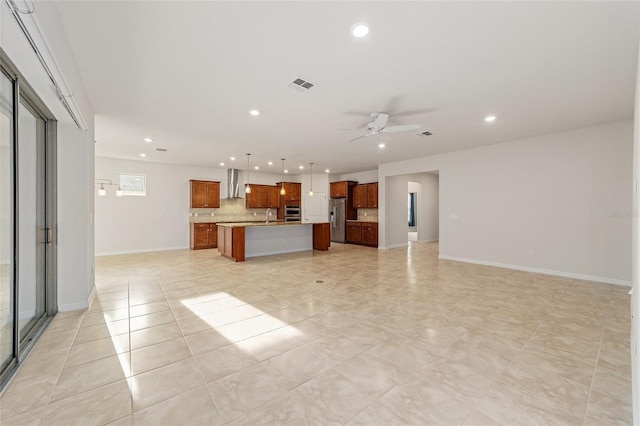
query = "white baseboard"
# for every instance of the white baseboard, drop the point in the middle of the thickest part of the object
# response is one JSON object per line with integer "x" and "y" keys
{"x": 540, "y": 271}
{"x": 73, "y": 306}
{"x": 395, "y": 246}
{"x": 149, "y": 250}
{"x": 92, "y": 296}
{"x": 429, "y": 241}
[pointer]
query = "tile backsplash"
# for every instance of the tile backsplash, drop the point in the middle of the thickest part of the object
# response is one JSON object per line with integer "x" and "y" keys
{"x": 231, "y": 210}
{"x": 367, "y": 215}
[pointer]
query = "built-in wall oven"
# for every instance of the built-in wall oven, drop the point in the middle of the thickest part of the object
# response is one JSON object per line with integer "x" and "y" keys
{"x": 292, "y": 213}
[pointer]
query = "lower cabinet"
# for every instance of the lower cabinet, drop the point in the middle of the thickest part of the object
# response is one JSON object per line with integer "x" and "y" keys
{"x": 231, "y": 243}
{"x": 354, "y": 232}
{"x": 364, "y": 233}
{"x": 204, "y": 236}
{"x": 370, "y": 234}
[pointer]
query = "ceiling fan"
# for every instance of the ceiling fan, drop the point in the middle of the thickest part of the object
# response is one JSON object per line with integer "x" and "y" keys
{"x": 378, "y": 126}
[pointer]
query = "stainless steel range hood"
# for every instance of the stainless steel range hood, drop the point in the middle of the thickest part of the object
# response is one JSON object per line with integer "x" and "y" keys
{"x": 233, "y": 183}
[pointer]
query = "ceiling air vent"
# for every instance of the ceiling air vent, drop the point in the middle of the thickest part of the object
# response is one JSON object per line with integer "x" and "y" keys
{"x": 300, "y": 85}
{"x": 161, "y": 149}
{"x": 424, "y": 134}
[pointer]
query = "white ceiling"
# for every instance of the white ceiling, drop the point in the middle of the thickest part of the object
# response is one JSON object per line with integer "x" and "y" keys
{"x": 187, "y": 73}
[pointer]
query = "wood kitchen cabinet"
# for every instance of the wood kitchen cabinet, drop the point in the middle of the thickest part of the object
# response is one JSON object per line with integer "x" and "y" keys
{"x": 370, "y": 234}
{"x": 365, "y": 196}
{"x": 364, "y": 233}
{"x": 360, "y": 196}
{"x": 372, "y": 195}
{"x": 341, "y": 189}
{"x": 354, "y": 232}
{"x": 321, "y": 236}
{"x": 204, "y": 236}
{"x": 292, "y": 196}
{"x": 273, "y": 197}
{"x": 231, "y": 241}
{"x": 205, "y": 194}
{"x": 263, "y": 196}
{"x": 293, "y": 191}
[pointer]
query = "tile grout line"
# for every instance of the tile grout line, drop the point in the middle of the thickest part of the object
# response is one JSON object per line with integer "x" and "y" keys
{"x": 595, "y": 367}
{"x": 130, "y": 378}
{"x": 61, "y": 370}
{"x": 510, "y": 361}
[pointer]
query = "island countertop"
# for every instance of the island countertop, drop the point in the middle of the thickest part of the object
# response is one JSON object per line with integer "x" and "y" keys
{"x": 271, "y": 223}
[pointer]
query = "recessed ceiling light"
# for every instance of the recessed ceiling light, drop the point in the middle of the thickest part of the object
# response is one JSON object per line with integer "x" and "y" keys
{"x": 286, "y": 171}
{"x": 360, "y": 30}
{"x": 326, "y": 170}
{"x": 490, "y": 118}
{"x": 256, "y": 167}
{"x": 143, "y": 155}
{"x": 270, "y": 163}
{"x": 148, "y": 140}
{"x": 301, "y": 167}
{"x": 232, "y": 158}
{"x": 381, "y": 145}
{"x": 254, "y": 112}
{"x": 222, "y": 164}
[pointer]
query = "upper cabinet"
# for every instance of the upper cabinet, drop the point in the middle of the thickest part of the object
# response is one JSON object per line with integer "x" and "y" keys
{"x": 372, "y": 195}
{"x": 263, "y": 196}
{"x": 205, "y": 194}
{"x": 341, "y": 189}
{"x": 360, "y": 196}
{"x": 365, "y": 196}
{"x": 293, "y": 191}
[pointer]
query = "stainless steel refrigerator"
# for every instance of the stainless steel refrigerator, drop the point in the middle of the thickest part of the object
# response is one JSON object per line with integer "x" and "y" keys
{"x": 338, "y": 219}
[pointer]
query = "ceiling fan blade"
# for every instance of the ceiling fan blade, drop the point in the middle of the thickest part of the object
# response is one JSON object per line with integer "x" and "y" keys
{"x": 359, "y": 137}
{"x": 413, "y": 112}
{"x": 380, "y": 121}
{"x": 405, "y": 128}
{"x": 358, "y": 113}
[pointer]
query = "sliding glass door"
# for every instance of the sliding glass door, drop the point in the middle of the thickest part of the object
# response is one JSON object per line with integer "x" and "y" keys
{"x": 6, "y": 216}
{"x": 27, "y": 215}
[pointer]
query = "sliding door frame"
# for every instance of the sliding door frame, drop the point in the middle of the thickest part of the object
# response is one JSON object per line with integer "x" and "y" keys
{"x": 23, "y": 91}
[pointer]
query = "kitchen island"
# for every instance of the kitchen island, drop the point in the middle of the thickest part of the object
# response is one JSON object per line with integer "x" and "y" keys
{"x": 238, "y": 241}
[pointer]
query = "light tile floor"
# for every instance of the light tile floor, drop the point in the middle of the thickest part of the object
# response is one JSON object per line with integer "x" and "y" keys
{"x": 349, "y": 336}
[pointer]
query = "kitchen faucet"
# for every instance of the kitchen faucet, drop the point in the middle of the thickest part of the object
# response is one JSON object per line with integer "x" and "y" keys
{"x": 267, "y": 215}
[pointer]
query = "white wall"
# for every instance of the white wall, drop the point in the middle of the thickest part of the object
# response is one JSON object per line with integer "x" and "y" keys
{"x": 563, "y": 195}
{"x": 75, "y": 151}
{"x": 396, "y": 208}
{"x": 367, "y": 176}
{"x": 159, "y": 221}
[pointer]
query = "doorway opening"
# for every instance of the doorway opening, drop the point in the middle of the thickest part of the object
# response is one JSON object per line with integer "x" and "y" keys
{"x": 414, "y": 188}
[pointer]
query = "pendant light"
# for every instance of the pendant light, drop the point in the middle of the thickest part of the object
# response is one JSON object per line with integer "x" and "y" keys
{"x": 247, "y": 188}
{"x": 311, "y": 186}
{"x": 282, "y": 191}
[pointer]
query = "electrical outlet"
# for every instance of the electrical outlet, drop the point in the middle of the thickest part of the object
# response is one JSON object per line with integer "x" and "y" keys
{"x": 532, "y": 253}
{"x": 213, "y": 214}
{"x": 255, "y": 214}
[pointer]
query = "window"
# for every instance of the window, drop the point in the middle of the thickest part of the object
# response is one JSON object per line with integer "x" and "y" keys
{"x": 131, "y": 184}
